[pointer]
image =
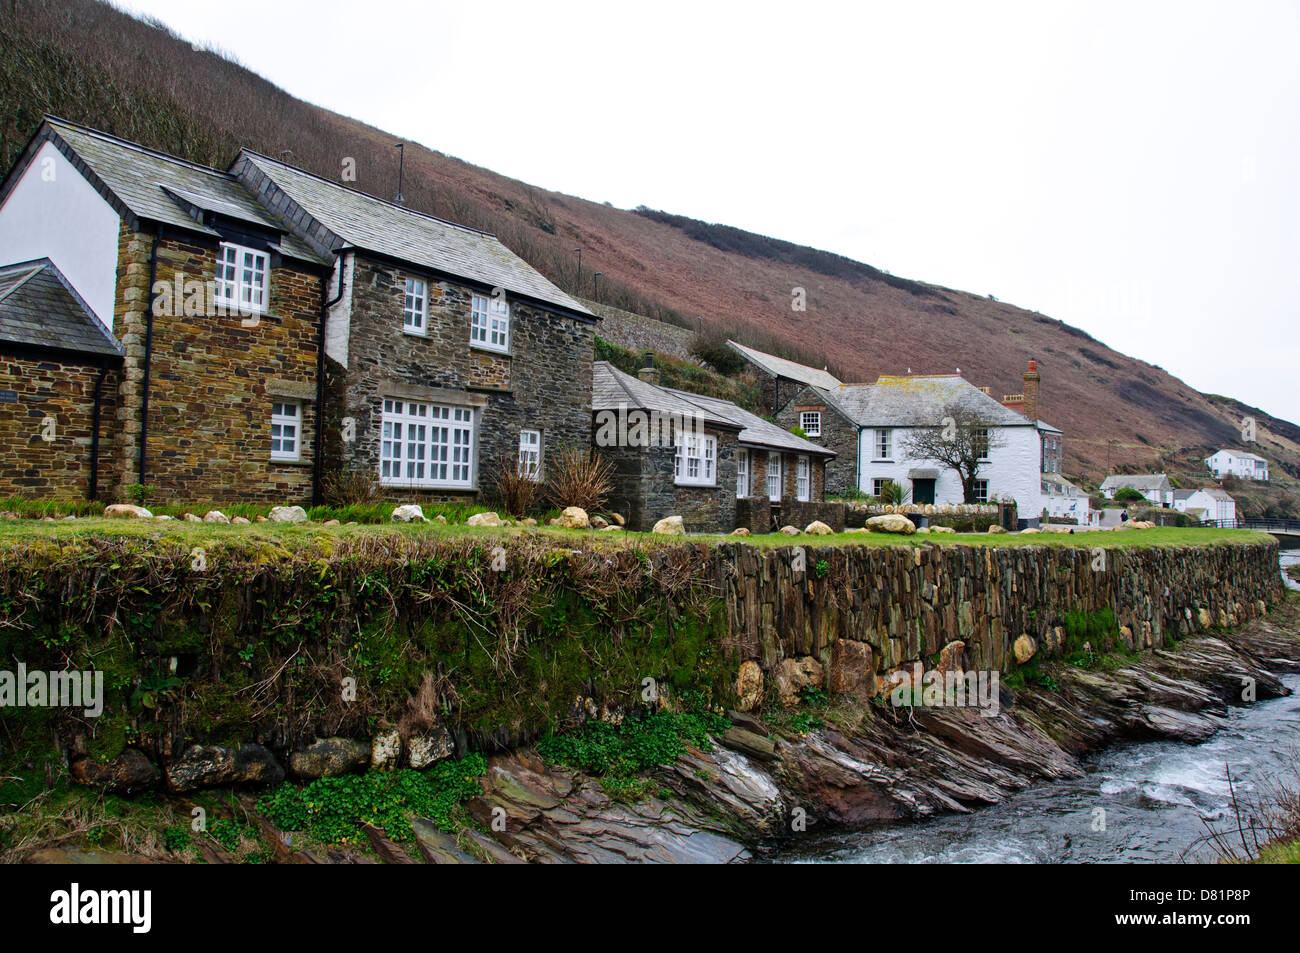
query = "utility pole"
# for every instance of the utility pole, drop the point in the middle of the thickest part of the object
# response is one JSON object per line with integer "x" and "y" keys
{"x": 595, "y": 285}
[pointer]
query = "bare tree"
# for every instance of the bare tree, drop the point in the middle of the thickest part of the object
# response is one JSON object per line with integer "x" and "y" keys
{"x": 962, "y": 441}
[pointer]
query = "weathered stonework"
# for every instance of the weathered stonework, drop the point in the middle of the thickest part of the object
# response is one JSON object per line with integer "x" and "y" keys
{"x": 645, "y": 490}
{"x": 543, "y": 383}
{"x": 638, "y": 333}
{"x": 213, "y": 380}
{"x": 839, "y": 433}
{"x": 62, "y": 390}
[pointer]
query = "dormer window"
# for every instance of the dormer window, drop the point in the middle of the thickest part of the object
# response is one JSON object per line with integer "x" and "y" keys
{"x": 241, "y": 278}
{"x": 490, "y": 322}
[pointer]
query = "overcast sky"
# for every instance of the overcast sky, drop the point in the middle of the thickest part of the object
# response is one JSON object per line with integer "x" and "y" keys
{"x": 1131, "y": 168}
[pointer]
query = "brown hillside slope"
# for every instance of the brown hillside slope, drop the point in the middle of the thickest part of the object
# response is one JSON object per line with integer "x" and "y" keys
{"x": 90, "y": 63}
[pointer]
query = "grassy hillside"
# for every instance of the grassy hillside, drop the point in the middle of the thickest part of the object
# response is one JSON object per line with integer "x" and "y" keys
{"x": 91, "y": 63}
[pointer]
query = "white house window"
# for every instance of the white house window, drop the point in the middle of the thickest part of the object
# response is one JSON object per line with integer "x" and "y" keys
{"x": 241, "y": 278}
{"x": 490, "y": 322}
{"x": 878, "y": 485}
{"x": 802, "y": 479}
{"x": 696, "y": 460}
{"x": 426, "y": 445}
{"x": 811, "y": 422}
{"x": 415, "y": 306}
{"x": 884, "y": 444}
{"x": 530, "y": 454}
{"x": 981, "y": 491}
{"x": 980, "y": 438}
{"x": 742, "y": 474}
{"x": 285, "y": 430}
{"x": 774, "y": 476}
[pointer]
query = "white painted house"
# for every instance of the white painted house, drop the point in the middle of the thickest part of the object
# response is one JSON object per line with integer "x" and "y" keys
{"x": 892, "y": 409}
{"x": 1063, "y": 500}
{"x": 1207, "y": 503}
{"x": 1154, "y": 486}
{"x": 1238, "y": 463}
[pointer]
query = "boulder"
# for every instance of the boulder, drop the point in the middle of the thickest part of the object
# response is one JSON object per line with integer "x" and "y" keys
{"x": 749, "y": 686}
{"x": 334, "y": 523}
{"x": 528, "y": 521}
{"x": 241, "y": 521}
{"x": 329, "y": 758}
{"x": 205, "y": 766}
{"x": 789, "y": 530}
{"x": 952, "y": 658}
{"x": 612, "y": 529}
{"x": 599, "y": 522}
{"x": 995, "y": 528}
{"x": 818, "y": 528}
{"x": 618, "y": 518}
{"x": 215, "y": 516}
{"x": 485, "y": 519}
{"x": 287, "y": 514}
{"x": 439, "y": 518}
{"x": 853, "y": 668}
{"x": 385, "y": 749}
{"x": 740, "y": 531}
{"x": 129, "y": 773}
{"x": 942, "y": 529}
{"x": 891, "y": 523}
{"x": 1028, "y": 531}
{"x": 408, "y": 513}
{"x": 573, "y": 517}
{"x": 261, "y": 519}
{"x": 793, "y": 675}
{"x": 670, "y": 526}
{"x": 191, "y": 518}
{"x": 126, "y": 511}
{"x": 1025, "y": 647}
{"x": 427, "y": 747}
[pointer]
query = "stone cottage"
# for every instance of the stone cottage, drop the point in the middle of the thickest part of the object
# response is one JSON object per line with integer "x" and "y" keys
{"x": 702, "y": 458}
{"x": 446, "y": 354}
{"x": 249, "y": 334}
{"x": 185, "y": 320}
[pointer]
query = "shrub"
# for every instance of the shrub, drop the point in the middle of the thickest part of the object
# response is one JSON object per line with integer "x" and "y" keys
{"x": 710, "y": 347}
{"x": 349, "y": 487}
{"x": 516, "y": 492}
{"x": 579, "y": 478}
{"x": 1128, "y": 495}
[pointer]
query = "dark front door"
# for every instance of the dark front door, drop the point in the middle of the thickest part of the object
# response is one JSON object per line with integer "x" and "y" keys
{"x": 923, "y": 491}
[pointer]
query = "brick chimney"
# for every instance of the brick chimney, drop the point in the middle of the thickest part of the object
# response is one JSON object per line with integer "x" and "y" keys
{"x": 1031, "y": 391}
{"x": 649, "y": 373}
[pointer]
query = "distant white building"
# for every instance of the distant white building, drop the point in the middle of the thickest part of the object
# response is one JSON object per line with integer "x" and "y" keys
{"x": 1154, "y": 486}
{"x": 1207, "y": 503}
{"x": 1063, "y": 500}
{"x": 1238, "y": 463}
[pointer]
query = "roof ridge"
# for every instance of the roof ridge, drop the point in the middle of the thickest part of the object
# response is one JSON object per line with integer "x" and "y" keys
{"x": 37, "y": 266}
{"x": 374, "y": 198}
{"x": 54, "y": 120}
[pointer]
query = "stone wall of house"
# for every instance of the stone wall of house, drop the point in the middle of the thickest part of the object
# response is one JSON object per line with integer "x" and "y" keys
{"x": 543, "y": 383}
{"x": 213, "y": 380}
{"x": 799, "y": 513}
{"x": 54, "y": 398}
{"x": 754, "y": 513}
{"x": 636, "y": 332}
{"x": 838, "y": 433}
{"x": 645, "y": 490}
{"x": 852, "y": 614}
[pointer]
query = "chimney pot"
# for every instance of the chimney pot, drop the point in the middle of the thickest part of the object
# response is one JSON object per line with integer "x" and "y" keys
{"x": 1031, "y": 392}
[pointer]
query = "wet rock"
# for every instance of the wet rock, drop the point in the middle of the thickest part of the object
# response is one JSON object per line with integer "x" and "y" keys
{"x": 428, "y": 747}
{"x": 329, "y": 758}
{"x": 749, "y": 685}
{"x": 755, "y": 745}
{"x": 794, "y": 675}
{"x": 131, "y": 772}
{"x": 853, "y": 668}
{"x": 205, "y": 766}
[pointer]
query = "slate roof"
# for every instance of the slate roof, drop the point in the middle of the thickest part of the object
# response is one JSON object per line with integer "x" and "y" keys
{"x": 362, "y": 221}
{"x": 920, "y": 401}
{"x": 1214, "y": 493}
{"x": 757, "y": 432}
{"x": 161, "y": 188}
{"x": 780, "y": 367}
{"x": 612, "y": 389}
{"x": 1138, "y": 481}
{"x": 1182, "y": 495}
{"x": 1057, "y": 479}
{"x": 39, "y": 308}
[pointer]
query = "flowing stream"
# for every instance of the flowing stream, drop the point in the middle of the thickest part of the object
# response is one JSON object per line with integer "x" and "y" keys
{"x": 1144, "y": 802}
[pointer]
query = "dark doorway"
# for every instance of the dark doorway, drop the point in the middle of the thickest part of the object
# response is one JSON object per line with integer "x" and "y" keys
{"x": 923, "y": 491}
